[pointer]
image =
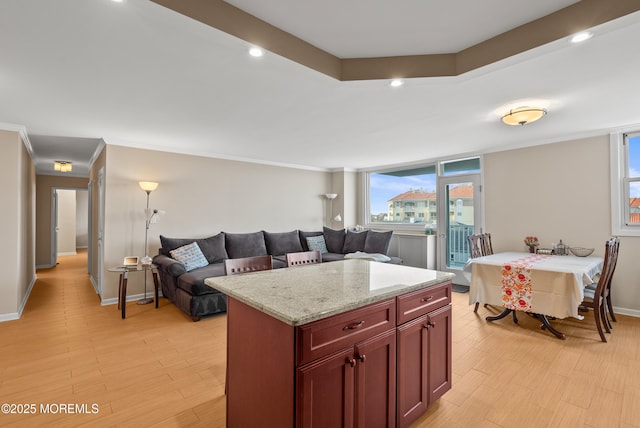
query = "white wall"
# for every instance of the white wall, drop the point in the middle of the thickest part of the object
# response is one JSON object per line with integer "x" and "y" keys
{"x": 66, "y": 226}
{"x": 201, "y": 197}
{"x": 559, "y": 191}
{"x": 17, "y": 224}
{"x": 82, "y": 218}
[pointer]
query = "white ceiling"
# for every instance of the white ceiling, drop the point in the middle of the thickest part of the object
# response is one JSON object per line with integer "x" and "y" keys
{"x": 140, "y": 75}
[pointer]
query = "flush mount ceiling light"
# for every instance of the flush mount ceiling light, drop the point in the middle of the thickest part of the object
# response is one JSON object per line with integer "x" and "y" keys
{"x": 62, "y": 166}
{"x": 396, "y": 83}
{"x": 523, "y": 115}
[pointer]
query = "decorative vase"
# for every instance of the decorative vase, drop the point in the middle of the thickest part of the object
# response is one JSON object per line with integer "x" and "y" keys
{"x": 532, "y": 249}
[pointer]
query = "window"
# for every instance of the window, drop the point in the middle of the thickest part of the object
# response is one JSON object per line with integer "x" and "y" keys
{"x": 402, "y": 196}
{"x": 407, "y": 197}
{"x": 625, "y": 183}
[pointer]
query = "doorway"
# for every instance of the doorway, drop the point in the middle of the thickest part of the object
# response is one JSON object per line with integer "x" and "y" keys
{"x": 70, "y": 219}
{"x": 459, "y": 213}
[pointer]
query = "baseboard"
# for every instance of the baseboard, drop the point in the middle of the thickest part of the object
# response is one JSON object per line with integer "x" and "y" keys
{"x": 49, "y": 266}
{"x": 69, "y": 253}
{"x": 625, "y": 311}
{"x": 132, "y": 298}
{"x": 94, "y": 283}
{"x": 12, "y": 316}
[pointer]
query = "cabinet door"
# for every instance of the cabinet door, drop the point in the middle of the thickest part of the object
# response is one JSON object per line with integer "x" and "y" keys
{"x": 413, "y": 396}
{"x": 376, "y": 381}
{"x": 439, "y": 326}
{"x": 326, "y": 391}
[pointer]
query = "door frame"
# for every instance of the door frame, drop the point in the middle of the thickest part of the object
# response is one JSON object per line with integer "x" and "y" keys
{"x": 443, "y": 218}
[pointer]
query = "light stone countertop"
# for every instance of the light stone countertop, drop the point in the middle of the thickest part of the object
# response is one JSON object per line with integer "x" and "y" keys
{"x": 303, "y": 294}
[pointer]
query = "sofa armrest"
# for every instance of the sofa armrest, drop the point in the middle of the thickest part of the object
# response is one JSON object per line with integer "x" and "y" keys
{"x": 169, "y": 265}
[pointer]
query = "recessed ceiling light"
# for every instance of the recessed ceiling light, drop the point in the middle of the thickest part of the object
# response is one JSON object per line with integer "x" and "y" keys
{"x": 581, "y": 37}
{"x": 118, "y": 1}
{"x": 256, "y": 52}
{"x": 396, "y": 82}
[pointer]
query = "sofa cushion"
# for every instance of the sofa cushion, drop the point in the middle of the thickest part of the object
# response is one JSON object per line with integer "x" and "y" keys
{"x": 190, "y": 256}
{"x": 334, "y": 239}
{"x": 316, "y": 243}
{"x": 212, "y": 247}
{"x": 193, "y": 282}
{"x": 245, "y": 245}
{"x": 354, "y": 241}
{"x": 377, "y": 242}
{"x": 282, "y": 243}
{"x": 332, "y": 257}
{"x": 304, "y": 236}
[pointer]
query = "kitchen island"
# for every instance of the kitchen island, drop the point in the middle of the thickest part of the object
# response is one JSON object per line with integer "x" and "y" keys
{"x": 347, "y": 343}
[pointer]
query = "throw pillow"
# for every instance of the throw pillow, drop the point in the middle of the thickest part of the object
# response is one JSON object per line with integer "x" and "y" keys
{"x": 190, "y": 256}
{"x": 304, "y": 236}
{"x": 354, "y": 241}
{"x": 241, "y": 245}
{"x": 334, "y": 239}
{"x": 377, "y": 242}
{"x": 316, "y": 243}
{"x": 212, "y": 247}
{"x": 279, "y": 244}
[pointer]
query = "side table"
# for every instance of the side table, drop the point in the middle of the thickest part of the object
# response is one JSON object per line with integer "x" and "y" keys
{"x": 124, "y": 276}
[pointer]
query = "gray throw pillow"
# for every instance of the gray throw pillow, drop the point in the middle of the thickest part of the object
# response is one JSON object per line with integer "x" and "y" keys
{"x": 304, "y": 236}
{"x": 245, "y": 244}
{"x": 354, "y": 241}
{"x": 334, "y": 239}
{"x": 316, "y": 243}
{"x": 279, "y": 244}
{"x": 377, "y": 242}
{"x": 190, "y": 256}
{"x": 212, "y": 247}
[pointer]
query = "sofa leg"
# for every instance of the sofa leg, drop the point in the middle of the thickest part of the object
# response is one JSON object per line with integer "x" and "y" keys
{"x": 196, "y": 319}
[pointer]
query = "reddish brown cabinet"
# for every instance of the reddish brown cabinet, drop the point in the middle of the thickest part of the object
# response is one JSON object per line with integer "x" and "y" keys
{"x": 350, "y": 388}
{"x": 423, "y": 352}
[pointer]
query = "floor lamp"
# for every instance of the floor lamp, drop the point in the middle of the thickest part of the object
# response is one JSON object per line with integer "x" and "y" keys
{"x": 331, "y": 197}
{"x": 150, "y": 217}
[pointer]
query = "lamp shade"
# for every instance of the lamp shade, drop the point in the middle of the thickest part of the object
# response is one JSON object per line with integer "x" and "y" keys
{"x": 148, "y": 186}
{"x": 523, "y": 115}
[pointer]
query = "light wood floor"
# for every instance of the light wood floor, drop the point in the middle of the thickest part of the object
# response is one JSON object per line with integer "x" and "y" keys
{"x": 158, "y": 368}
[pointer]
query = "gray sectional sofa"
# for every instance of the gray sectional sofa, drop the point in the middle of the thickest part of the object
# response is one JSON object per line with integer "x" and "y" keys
{"x": 186, "y": 288}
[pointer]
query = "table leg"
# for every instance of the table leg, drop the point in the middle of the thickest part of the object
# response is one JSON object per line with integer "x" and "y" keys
{"x": 124, "y": 293}
{"x": 547, "y": 325}
{"x": 154, "y": 274}
{"x": 504, "y": 313}
{"x": 120, "y": 291}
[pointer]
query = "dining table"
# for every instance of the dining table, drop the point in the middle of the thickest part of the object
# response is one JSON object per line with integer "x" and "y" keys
{"x": 541, "y": 285}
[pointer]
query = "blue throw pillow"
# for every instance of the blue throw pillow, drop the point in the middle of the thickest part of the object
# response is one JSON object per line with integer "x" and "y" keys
{"x": 190, "y": 256}
{"x": 316, "y": 243}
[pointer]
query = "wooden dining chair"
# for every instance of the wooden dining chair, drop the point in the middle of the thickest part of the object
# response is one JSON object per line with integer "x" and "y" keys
{"x": 476, "y": 249}
{"x": 597, "y": 299}
{"x": 487, "y": 248}
{"x": 247, "y": 264}
{"x": 591, "y": 288}
{"x": 475, "y": 245}
{"x": 303, "y": 258}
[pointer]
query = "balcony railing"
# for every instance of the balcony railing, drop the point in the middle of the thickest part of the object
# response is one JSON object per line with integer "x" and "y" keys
{"x": 457, "y": 244}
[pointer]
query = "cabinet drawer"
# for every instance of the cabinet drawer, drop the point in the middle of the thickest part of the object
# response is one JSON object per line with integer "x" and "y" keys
{"x": 328, "y": 335}
{"x": 420, "y": 302}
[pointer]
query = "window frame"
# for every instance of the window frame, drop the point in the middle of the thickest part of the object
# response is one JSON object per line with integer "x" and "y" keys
{"x": 619, "y": 159}
{"x": 439, "y": 172}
